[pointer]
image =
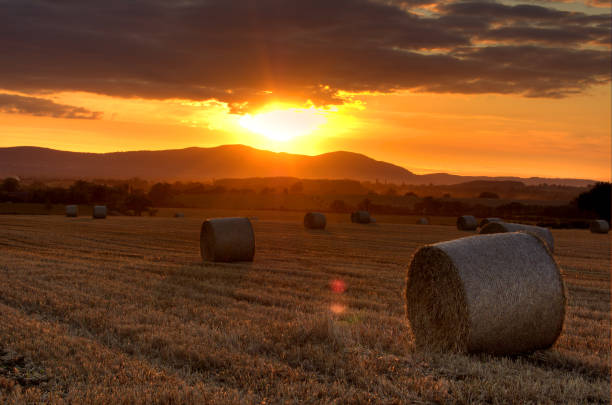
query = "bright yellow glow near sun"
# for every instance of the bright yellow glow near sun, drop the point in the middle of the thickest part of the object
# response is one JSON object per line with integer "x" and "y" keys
{"x": 284, "y": 124}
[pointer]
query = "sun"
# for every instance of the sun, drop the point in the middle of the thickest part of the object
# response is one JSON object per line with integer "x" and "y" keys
{"x": 284, "y": 124}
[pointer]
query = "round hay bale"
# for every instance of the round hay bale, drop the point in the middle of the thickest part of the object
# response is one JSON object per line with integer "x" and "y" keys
{"x": 600, "y": 226}
{"x": 99, "y": 211}
{"x": 227, "y": 240}
{"x": 179, "y": 215}
{"x": 72, "y": 210}
{"x": 315, "y": 220}
{"x": 500, "y": 294}
{"x": 540, "y": 232}
{"x": 423, "y": 221}
{"x": 487, "y": 220}
{"x": 467, "y": 223}
{"x": 360, "y": 217}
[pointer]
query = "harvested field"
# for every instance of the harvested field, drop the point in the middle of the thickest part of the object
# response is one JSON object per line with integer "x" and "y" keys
{"x": 98, "y": 311}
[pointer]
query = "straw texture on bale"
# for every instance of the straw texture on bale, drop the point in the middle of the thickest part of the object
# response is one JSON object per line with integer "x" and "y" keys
{"x": 467, "y": 223}
{"x": 487, "y": 220}
{"x": 179, "y": 215}
{"x": 315, "y": 220}
{"x": 540, "y": 232}
{"x": 72, "y": 210}
{"x": 99, "y": 211}
{"x": 423, "y": 221}
{"x": 600, "y": 226}
{"x": 227, "y": 240}
{"x": 500, "y": 294}
{"x": 361, "y": 217}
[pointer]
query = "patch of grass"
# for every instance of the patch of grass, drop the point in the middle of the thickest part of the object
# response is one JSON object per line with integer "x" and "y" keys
{"x": 124, "y": 311}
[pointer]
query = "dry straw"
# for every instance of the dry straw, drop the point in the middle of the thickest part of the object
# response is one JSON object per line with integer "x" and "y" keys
{"x": 227, "y": 240}
{"x": 467, "y": 223}
{"x": 500, "y": 227}
{"x": 423, "y": 221}
{"x": 361, "y": 217}
{"x": 72, "y": 210}
{"x": 487, "y": 220}
{"x": 500, "y": 294}
{"x": 600, "y": 226}
{"x": 99, "y": 211}
{"x": 315, "y": 220}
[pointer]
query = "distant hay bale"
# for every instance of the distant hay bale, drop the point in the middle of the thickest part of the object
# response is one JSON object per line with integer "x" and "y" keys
{"x": 500, "y": 294}
{"x": 72, "y": 210}
{"x": 423, "y": 221}
{"x": 99, "y": 211}
{"x": 179, "y": 215}
{"x": 500, "y": 227}
{"x": 600, "y": 226}
{"x": 467, "y": 223}
{"x": 315, "y": 220}
{"x": 227, "y": 240}
{"x": 361, "y": 217}
{"x": 487, "y": 220}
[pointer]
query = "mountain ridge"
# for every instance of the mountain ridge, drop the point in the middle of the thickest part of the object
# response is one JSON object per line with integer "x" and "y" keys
{"x": 226, "y": 161}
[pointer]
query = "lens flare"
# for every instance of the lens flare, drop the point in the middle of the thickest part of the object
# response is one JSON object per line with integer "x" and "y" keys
{"x": 338, "y": 286}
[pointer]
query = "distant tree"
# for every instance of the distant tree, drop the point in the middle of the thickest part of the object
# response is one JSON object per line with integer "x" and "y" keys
{"x": 297, "y": 187}
{"x": 138, "y": 202}
{"x": 429, "y": 205}
{"x": 99, "y": 193}
{"x": 488, "y": 194}
{"x": 366, "y": 204}
{"x": 10, "y": 185}
{"x": 80, "y": 192}
{"x": 597, "y": 200}
{"x": 160, "y": 193}
{"x": 339, "y": 206}
{"x": 391, "y": 191}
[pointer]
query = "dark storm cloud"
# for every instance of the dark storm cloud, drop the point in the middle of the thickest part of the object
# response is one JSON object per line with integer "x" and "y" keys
{"x": 239, "y": 51}
{"x": 15, "y": 104}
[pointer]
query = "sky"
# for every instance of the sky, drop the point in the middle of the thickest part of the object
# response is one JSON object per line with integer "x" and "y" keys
{"x": 483, "y": 87}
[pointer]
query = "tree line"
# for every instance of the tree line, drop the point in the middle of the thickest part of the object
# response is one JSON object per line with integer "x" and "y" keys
{"x": 124, "y": 197}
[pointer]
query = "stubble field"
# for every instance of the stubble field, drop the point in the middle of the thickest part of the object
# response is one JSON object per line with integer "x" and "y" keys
{"x": 123, "y": 310}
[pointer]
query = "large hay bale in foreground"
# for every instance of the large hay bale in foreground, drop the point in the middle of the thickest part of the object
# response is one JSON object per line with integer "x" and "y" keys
{"x": 315, "y": 220}
{"x": 501, "y": 227}
{"x": 485, "y": 221}
{"x": 361, "y": 217}
{"x": 423, "y": 221}
{"x": 467, "y": 223}
{"x": 498, "y": 294}
{"x": 99, "y": 211}
{"x": 600, "y": 226}
{"x": 227, "y": 240}
{"x": 72, "y": 210}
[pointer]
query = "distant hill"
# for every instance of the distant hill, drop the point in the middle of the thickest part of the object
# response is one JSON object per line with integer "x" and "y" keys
{"x": 228, "y": 161}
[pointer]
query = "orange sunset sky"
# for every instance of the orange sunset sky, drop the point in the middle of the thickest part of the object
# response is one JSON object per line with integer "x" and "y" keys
{"x": 471, "y": 87}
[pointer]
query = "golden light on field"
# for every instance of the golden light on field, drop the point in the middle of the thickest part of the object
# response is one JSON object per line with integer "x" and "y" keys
{"x": 284, "y": 124}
